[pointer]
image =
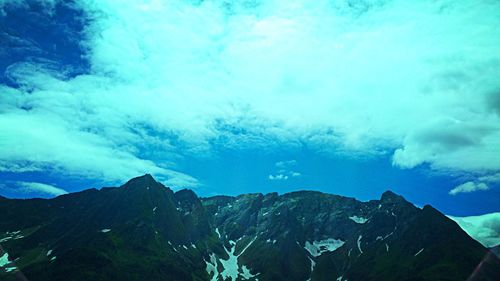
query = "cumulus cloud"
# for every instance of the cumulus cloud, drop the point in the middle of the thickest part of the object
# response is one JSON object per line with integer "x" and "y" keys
{"x": 470, "y": 145}
{"x": 36, "y": 187}
{"x": 469, "y": 187}
{"x": 484, "y": 228}
{"x": 169, "y": 78}
{"x": 285, "y": 170}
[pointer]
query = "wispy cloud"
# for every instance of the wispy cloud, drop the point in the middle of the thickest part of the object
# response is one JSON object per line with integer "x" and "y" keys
{"x": 285, "y": 164}
{"x": 492, "y": 178}
{"x": 41, "y": 141}
{"x": 170, "y": 78}
{"x": 37, "y": 188}
{"x": 469, "y": 187}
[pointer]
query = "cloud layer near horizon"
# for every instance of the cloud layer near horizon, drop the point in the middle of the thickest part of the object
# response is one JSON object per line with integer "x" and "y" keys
{"x": 484, "y": 228}
{"x": 418, "y": 81}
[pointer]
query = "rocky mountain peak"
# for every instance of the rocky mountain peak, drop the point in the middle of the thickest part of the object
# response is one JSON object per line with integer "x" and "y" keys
{"x": 389, "y": 196}
{"x": 186, "y": 195}
{"x": 145, "y": 181}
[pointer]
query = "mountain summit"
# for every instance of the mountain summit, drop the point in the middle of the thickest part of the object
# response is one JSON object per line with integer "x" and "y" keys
{"x": 145, "y": 231}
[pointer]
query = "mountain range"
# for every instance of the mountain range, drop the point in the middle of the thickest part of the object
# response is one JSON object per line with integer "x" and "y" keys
{"x": 146, "y": 231}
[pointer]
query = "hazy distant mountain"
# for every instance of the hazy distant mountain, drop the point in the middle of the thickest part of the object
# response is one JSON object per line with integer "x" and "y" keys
{"x": 145, "y": 231}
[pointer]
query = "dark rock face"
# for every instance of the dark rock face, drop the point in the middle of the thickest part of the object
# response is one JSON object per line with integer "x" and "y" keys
{"x": 496, "y": 250}
{"x": 144, "y": 231}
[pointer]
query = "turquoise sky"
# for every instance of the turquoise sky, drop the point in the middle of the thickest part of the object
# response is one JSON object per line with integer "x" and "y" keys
{"x": 230, "y": 97}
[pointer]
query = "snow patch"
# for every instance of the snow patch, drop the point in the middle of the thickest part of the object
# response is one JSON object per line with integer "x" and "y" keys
{"x": 246, "y": 273}
{"x": 230, "y": 265}
{"x": 357, "y": 219}
{"x": 10, "y": 269}
{"x": 386, "y": 247}
{"x": 154, "y": 209}
{"x": 359, "y": 243}
{"x": 12, "y": 236}
{"x": 217, "y": 231}
{"x": 313, "y": 264}
{"x": 49, "y": 252}
{"x": 418, "y": 253}
{"x": 319, "y": 247}
{"x": 388, "y": 235}
{"x": 4, "y": 260}
{"x": 105, "y": 230}
{"x": 211, "y": 267}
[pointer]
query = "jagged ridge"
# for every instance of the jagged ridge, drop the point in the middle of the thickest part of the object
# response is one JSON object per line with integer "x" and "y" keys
{"x": 145, "y": 231}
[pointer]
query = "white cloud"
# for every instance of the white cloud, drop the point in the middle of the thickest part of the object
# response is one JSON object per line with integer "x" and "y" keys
{"x": 469, "y": 187}
{"x": 493, "y": 178}
{"x": 285, "y": 170}
{"x": 170, "y": 78}
{"x": 470, "y": 145}
{"x": 484, "y": 228}
{"x": 278, "y": 177}
{"x": 36, "y": 187}
{"x": 44, "y": 141}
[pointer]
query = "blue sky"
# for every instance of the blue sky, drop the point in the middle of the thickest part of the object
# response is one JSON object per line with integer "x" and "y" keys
{"x": 346, "y": 97}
